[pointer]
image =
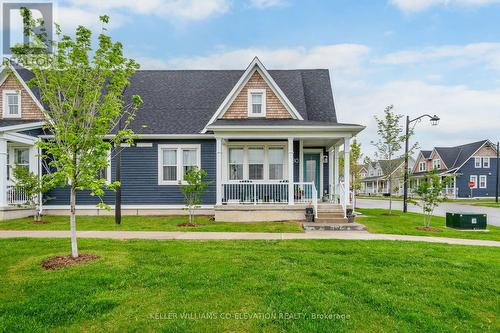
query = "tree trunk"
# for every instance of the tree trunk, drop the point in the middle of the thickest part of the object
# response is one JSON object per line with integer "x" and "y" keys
{"x": 72, "y": 222}
{"x": 190, "y": 216}
{"x": 390, "y": 197}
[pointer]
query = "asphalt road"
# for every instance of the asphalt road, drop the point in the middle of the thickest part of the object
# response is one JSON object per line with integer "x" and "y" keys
{"x": 451, "y": 207}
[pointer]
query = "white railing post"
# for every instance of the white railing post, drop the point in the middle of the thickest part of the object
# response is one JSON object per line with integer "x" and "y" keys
{"x": 3, "y": 172}
{"x": 290, "y": 171}
{"x": 315, "y": 200}
{"x": 336, "y": 172}
{"x": 218, "y": 170}
{"x": 347, "y": 169}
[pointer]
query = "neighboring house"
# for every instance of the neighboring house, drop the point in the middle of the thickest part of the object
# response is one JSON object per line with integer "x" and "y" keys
{"x": 363, "y": 173}
{"x": 473, "y": 162}
{"x": 265, "y": 138}
{"x": 381, "y": 172}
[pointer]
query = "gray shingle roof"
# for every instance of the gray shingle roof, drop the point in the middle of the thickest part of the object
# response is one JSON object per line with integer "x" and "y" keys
{"x": 426, "y": 153}
{"x": 183, "y": 101}
{"x": 12, "y": 122}
{"x": 454, "y": 157}
{"x": 275, "y": 122}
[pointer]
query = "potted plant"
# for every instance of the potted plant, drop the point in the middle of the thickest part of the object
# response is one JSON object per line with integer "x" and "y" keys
{"x": 350, "y": 215}
{"x": 309, "y": 214}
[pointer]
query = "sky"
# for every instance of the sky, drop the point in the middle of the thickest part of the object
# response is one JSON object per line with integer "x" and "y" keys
{"x": 423, "y": 56}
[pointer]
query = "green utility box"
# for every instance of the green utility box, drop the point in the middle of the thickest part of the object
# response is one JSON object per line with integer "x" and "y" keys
{"x": 467, "y": 221}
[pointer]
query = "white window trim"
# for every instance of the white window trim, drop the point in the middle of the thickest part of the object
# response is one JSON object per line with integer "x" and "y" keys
{"x": 477, "y": 162}
{"x": 422, "y": 166}
{"x": 485, "y": 178}
{"x": 249, "y": 103}
{"x": 6, "y": 104}
{"x": 436, "y": 164}
{"x": 473, "y": 178}
{"x": 180, "y": 170}
{"x": 486, "y": 165}
{"x": 247, "y": 145}
{"x": 108, "y": 168}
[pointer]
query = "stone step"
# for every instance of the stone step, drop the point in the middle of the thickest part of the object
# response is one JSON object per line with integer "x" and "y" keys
{"x": 335, "y": 215}
{"x": 315, "y": 226}
{"x": 331, "y": 220}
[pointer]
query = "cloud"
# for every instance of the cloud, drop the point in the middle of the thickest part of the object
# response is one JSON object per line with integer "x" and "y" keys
{"x": 487, "y": 53}
{"x": 420, "y": 5}
{"x": 266, "y": 3}
{"x": 466, "y": 114}
{"x": 69, "y": 18}
{"x": 190, "y": 10}
{"x": 337, "y": 56}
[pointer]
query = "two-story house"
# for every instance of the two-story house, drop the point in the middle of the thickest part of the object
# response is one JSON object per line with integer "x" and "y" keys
{"x": 465, "y": 164}
{"x": 381, "y": 174}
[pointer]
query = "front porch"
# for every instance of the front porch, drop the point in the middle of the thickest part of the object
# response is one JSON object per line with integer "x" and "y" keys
{"x": 16, "y": 149}
{"x": 270, "y": 178}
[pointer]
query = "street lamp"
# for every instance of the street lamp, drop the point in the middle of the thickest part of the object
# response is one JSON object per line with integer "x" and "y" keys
{"x": 434, "y": 122}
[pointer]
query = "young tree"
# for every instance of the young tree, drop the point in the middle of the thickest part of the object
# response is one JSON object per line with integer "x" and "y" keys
{"x": 389, "y": 145}
{"x": 430, "y": 194}
{"x": 31, "y": 186}
{"x": 195, "y": 186}
{"x": 82, "y": 88}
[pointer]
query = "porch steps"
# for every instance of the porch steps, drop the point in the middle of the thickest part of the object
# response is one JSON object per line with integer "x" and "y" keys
{"x": 329, "y": 213}
{"x": 318, "y": 226}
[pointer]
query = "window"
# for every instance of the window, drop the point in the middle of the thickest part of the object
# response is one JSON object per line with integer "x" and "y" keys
{"x": 483, "y": 182}
{"x": 256, "y": 102}
{"x": 106, "y": 172}
{"x": 175, "y": 160}
{"x": 246, "y": 161}
{"x": 422, "y": 166}
{"x": 474, "y": 180}
{"x": 169, "y": 165}
{"x": 276, "y": 157}
{"x": 477, "y": 162}
{"x": 436, "y": 164}
{"x": 21, "y": 157}
{"x": 256, "y": 163}
{"x": 189, "y": 160}
{"x": 235, "y": 163}
{"x": 486, "y": 162}
{"x": 11, "y": 104}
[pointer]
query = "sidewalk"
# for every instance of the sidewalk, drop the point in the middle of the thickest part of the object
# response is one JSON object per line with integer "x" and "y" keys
{"x": 158, "y": 235}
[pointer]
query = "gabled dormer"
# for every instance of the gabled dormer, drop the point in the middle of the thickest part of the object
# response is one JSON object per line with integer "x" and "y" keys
{"x": 255, "y": 95}
{"x": 436, "y": 161}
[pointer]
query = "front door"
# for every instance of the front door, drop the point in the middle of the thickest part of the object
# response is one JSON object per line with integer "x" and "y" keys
{"x": 312, "y": 169}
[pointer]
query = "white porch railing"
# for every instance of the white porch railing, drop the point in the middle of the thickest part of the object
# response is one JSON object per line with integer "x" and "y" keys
{"x": 341, "y": 193}
{"x": 306, "y": 193}
{"x": 269, "y": 192}
{"x": 15, "y": 196}
{"x": 450, "y": 193}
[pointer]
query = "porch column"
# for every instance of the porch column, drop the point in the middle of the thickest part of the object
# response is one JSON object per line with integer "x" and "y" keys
{"x": 330, "y": 173}
{"x": 347, "y": 169}
{"x": 290, "y": 171}
{"x": 336, "y": 172}
{"x": 218, "y": 170}
{"x": 33, "y": 159}
{"x": 3, "y": 172}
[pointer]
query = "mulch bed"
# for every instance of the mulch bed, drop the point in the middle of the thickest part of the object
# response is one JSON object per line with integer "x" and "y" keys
{"x": 39, "y": 222}
{"x": 187, "y": 224}
{"x": 54, "y": 263}
{"x": 428, "y": 229}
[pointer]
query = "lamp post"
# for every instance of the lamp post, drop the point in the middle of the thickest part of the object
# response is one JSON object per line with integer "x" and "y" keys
{"x": 434, "y": 121}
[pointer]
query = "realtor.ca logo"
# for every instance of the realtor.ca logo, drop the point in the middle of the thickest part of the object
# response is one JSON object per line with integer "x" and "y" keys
{"x": 12, "y": 23}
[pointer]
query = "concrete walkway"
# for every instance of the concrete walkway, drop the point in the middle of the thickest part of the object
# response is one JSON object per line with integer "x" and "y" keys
{"x": 159, "y": 235}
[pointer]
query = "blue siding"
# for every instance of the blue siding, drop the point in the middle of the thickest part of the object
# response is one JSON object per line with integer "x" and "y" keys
{"x": 464, "y": 176}
{"x": 139, "y": 173}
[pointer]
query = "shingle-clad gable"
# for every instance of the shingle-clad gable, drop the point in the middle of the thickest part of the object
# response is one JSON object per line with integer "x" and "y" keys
{"x": 239, "y": 107}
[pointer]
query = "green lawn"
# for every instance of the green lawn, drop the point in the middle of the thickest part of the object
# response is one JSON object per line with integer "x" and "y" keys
{"x": 250, "y": 286}
{"x": 492, "y": 204}
{"x": 405, "y": 224}
{"x": 147, "y": 223}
